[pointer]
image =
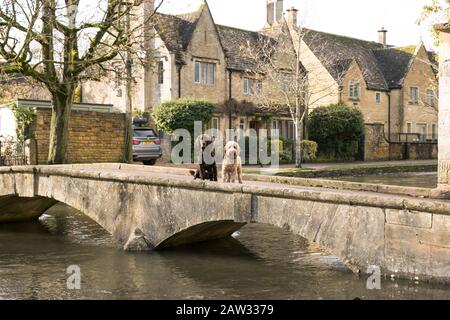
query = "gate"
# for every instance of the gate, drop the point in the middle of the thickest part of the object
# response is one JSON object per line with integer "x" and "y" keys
{"x": 12, "y": 154}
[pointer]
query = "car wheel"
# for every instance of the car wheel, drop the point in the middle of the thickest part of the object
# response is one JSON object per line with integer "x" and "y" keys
{"x": 150, "y": 162}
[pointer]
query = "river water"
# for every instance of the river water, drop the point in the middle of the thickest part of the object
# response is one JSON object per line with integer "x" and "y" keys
{"x": 260, "y": 262}
{"x": 413, "y": 179}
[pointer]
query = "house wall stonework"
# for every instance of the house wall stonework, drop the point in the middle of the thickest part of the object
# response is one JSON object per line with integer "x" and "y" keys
{"x": 420, "y": 75}
{"x": 373, "y": 112}
{"x": 205, "y": 47}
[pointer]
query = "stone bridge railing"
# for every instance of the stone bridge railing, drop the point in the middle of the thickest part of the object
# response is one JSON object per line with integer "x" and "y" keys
{"x": 404, "y": 236}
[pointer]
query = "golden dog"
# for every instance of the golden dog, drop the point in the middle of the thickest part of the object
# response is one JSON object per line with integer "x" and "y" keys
{"x": 232, "y": 163}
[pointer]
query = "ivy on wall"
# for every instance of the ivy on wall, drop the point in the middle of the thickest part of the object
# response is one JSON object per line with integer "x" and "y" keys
{"x": 24, "y": 118}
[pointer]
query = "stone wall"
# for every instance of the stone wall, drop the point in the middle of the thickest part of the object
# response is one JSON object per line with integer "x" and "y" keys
{"x": 93, "y": 136}
{"x": 377, "y": 148}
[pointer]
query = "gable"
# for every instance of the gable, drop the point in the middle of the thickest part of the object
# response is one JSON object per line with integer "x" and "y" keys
{"x": 421, "y": 67}
{"x": 205, "y": 37}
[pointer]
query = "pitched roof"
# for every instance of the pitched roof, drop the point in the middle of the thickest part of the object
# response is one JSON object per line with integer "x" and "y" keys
{"x": 176, "y": 31}
{"x": 336, "y": 53}
{"x": 233, "y": 40}
{"x": 383, "y": 68}
{"x": 394, "y": 63}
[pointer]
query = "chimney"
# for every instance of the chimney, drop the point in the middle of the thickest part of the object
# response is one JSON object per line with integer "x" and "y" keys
{"x": 382, "y": 36}
{"x": 274, "y": 12}
{"x": 292, "y": 17}
{"x": 279, "y": 11}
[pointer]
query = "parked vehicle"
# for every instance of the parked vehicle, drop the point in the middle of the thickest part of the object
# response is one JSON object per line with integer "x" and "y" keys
{"x": 146, "y": 145}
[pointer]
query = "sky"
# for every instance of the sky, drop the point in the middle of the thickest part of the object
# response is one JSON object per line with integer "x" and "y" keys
{"x": 355, "y": 18}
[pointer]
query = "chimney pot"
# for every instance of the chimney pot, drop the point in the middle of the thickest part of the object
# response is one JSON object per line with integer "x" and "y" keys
{"x": 292, "y": 16}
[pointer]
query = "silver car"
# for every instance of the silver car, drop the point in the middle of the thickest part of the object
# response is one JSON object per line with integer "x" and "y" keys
{"x": 146, "y": 146}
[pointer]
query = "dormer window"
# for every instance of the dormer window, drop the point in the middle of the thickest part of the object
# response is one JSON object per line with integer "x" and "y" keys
{"x": 354, "y": 91}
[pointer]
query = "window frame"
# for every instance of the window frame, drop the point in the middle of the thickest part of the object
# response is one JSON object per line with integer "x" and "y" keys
{"x": 434, "y": 131}
{"x": 252, "y": 87}
{"x": 354, "y": 87}
{"x": 161, "y": 72}
{"x": 431, "y": 96}
{"x": 205, "y": 73}
{"x": 411, "y": 101}
{"x": 197, "y": 72}
{"x": 378, "y": 97}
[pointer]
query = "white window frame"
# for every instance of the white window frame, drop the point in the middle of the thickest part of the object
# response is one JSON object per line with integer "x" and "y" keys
{"x": 354, "y": 93}
{"x": 416, "y": 99}
{"x": 205, "y": 73}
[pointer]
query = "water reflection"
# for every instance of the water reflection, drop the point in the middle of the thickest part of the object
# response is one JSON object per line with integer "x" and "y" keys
{"x": 262, "y": 263}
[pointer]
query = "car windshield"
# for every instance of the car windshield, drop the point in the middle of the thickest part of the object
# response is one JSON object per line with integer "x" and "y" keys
{"x": 144, "y": 133}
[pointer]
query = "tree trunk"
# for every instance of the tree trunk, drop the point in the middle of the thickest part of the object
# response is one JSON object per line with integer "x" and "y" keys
{"x": 59, "y": 127}
{"x": 298, "y": 143}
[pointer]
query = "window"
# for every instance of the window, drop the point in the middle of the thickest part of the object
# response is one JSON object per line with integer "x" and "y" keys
{"x": 197, "y": 72}
{"x": 215, "y": 123}
{"x": 422, "y": 130}
{"x": 275, "y": 125}
{"x": 413, "y": 95}
{"x": 354, "y": 91}
{"x": 161, "y": 72}
{"x": 378, "y": 97}
{"x": 252, "y": 86}
{"x": 212, "y": 71}
{"x": 434, "y": 132}
{"x": 204, "y": 73}
{"x": 409, "y": 127}
{"x": 242, "y": 124}
{"x": 430, "y": 98}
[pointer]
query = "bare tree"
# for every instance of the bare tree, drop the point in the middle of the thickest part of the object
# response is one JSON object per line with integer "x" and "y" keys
{"x": 61, "y": 43}
{"x": 288, "y": 87}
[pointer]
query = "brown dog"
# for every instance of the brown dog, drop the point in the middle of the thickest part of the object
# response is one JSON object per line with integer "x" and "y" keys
{"x": 205, "y": 171}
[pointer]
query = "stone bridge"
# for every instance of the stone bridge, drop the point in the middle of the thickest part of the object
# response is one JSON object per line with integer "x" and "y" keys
{"x": 404, "y": 235}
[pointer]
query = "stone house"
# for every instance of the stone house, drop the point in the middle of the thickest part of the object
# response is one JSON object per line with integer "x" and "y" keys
{"x": 196, "y": 58}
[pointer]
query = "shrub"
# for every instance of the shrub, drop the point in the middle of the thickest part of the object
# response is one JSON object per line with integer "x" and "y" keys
{"x": 309, "y": 150}
{"x": 337, "y": 129}
{"x": 181, "y": 114}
